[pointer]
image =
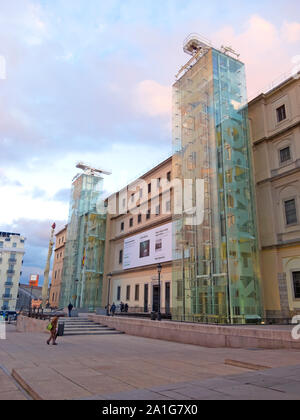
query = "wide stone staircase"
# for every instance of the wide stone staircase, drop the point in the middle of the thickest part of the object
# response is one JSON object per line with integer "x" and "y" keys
{"x": 84, "y": 326}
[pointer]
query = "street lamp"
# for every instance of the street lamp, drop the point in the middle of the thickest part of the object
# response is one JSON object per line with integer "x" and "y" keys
{"x": 159, "y": 268}
{"x": 109, "y": 276}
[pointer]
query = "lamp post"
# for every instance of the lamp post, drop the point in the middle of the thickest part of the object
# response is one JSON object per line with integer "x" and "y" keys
{"x": 109, "y": 276}
{"x": 159, "y": 268}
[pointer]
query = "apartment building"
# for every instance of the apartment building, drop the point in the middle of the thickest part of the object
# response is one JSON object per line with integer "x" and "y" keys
{"x": 11, "y": 260}
{"x": 57, "y": 270}
{"x": 138, "y": 238}
{"x": 275, "y": 136}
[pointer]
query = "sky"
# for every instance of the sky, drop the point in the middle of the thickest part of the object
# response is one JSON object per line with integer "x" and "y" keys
{"x": 90, "y": 80}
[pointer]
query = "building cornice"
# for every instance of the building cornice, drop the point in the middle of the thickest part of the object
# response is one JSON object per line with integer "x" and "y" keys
{"x": 276, "y": 177}
{"x": 278, "y": 134}
{"x": 142, "y": 228}
{"x": 138, "y": 269}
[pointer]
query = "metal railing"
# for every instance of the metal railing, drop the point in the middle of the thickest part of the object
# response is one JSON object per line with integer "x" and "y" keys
{"x": 5, "y": 296}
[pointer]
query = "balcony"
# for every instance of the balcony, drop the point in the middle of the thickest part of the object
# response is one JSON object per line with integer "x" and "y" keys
{"x": 10, "y": 272}
{"x": 12, "y": 260}
{"x": 5, "y": 296}
{"x": 8, "y": 284}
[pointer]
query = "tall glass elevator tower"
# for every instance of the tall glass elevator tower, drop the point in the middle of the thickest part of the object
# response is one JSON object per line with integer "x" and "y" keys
{"x": 216, "y": 264}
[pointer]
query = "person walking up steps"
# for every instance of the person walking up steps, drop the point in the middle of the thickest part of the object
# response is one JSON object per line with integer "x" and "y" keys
{"x": 70, "y": 307}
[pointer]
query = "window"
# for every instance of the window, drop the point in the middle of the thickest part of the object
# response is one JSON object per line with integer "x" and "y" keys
{"x": 131, "y": 222}
{"x": 157, "y": 210}
{"x": 168, "y": 206}
{"x": 285, "y": 155}
{"x": 124, "y": 203}
{"x": 55, "y": 274}
{"x": 141, "y": 193}
{"x": 281, "y": 113}
{"x": 169, "y": 176}
{"x": 122, "y": 226}
{"x": 119, "y": 293}
{"x": 290, "y": 212}
{"x": 121, "y": 256}
{"x": 148, "y": 214}
{"x": 14, "y": 245}
{"x": 127, "y": 292}
{"x": 1, "y": 244}
{"x": 296, "y": 282}
{"x": 149, "y": 188}
{"x": 139, "y": 218}
{"x": 132, "y": 198}
{"x": 137, "y": 292}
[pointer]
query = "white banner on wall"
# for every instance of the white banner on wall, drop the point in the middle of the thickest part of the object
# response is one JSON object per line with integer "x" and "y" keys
{"x": 151, "y": 247}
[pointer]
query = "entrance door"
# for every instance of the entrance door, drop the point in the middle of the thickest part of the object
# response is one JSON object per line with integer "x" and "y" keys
{"x": 146, "y": 298}
{"x": 155, "y": 298}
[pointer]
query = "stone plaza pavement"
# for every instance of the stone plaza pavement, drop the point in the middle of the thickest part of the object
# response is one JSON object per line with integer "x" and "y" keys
{"x": 123, "y": 367}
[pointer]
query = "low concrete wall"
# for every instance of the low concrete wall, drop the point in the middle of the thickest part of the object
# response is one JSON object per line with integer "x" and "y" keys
{"x": 203, "y": 335}
{"x": 26, "y": 324}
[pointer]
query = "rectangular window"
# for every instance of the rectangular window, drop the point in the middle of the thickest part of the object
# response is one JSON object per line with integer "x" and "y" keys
{"x": 141, "y": 193}
{"x": 132, "y": 198}
{"x": 14, "y": 245}
{"x": 285, "y": 155}
{"x": 149, "y": 188}
{"x": 290, "y": 212}
{"x": 148, "y": 214}
{"x": 122, "y": 226}
{"x": 157, "y": 210}
{"x": 158, "y": 182}
{"x": 1, "y": 244}
{"x": 119, "y": 293}
{"x": 169, "y": 176}
{"x": 127, "y": 292}
{"x": 131, "y": 222}
{"x": 139, "y": 218}
{"x": 296, "y": 282}
{"x": 137, "y": 292}
{"x": 168, "y": 206}
{"x": 121, "y": 256}
{"x": 281, "y": 113}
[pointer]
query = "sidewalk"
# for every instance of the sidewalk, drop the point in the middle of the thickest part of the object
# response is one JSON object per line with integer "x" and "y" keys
{"x": 132, "y": 368}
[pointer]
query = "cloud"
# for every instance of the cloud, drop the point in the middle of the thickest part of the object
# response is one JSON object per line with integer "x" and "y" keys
{"x": 262, "y": 49}
{"x": 291, "y": 31}
{"x": 153, "y": 99}
{"x": 63, "y": 195}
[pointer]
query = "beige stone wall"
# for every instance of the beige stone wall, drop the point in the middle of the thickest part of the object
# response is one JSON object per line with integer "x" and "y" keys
{"x": 277, "y": 182}
{"x": 57, "y": 267}
{"x": 116, "y": 233}
{"x": 26, "y": 324}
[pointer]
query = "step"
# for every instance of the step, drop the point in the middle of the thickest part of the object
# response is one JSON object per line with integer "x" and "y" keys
{"x": 93, "y": 333}
{"x": 91, "y": 329}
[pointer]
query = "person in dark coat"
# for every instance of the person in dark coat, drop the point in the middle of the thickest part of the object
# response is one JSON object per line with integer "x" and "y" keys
{"x": 126, "y": 307}
{"x": 113, "y": 309}
{"x": 70, "y": 307}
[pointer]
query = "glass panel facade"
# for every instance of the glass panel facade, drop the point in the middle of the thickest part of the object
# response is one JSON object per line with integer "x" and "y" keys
{"x": 215, "y": 263}
{"x": 82, "y": 277}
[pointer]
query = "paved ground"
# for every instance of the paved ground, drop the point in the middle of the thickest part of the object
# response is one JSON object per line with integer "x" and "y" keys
{"x": 132, "y": 368}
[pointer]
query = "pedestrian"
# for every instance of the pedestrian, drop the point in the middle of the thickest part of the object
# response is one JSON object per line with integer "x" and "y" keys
{"x": 113, "y": 309}
{"x": 52, "y": 328}
{"x": 122, "y": 307}
{"x": 70, "y": 307}
{"x": 126, "y": 307}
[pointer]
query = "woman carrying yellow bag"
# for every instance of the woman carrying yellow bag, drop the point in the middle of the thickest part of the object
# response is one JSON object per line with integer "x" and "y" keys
{"x": 52, "y": 327}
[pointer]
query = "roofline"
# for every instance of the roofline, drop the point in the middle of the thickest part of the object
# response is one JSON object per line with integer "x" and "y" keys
{"x": 144, "y": 175}
{"x": 274, "y": 89}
